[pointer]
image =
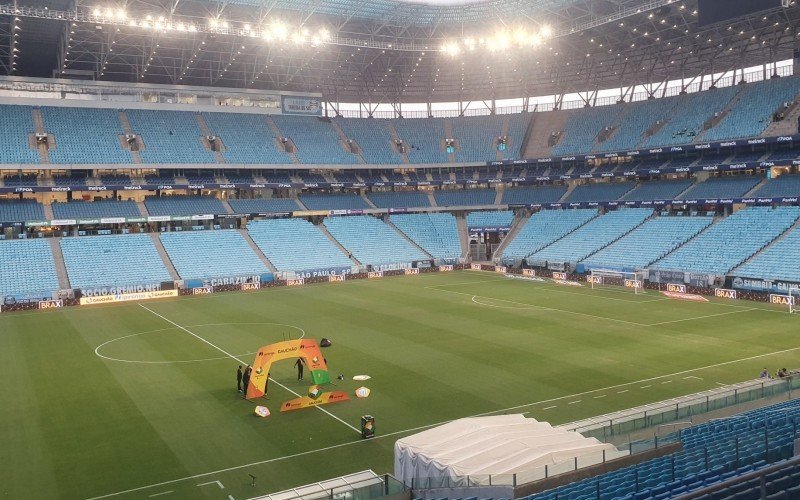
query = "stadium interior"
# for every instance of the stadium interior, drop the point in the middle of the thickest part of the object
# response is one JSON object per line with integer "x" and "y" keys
{"x": 624, "y": 150}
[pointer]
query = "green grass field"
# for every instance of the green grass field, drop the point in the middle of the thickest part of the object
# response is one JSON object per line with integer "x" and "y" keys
{"x": 135, "y": 399}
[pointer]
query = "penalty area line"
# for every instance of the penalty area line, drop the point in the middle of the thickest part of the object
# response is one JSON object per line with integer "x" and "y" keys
{"x": 223, "y": 351}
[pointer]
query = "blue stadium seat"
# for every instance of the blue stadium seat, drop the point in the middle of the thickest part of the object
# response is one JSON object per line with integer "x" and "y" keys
{"x": 296, "y": 245}
{"x": 27, "y": 268}
{"x": 211, "y": 254}
{"x": 100, "y": 261}
{"x": 542, "y": 229}
{"x": 372, "y": 241}
{"x": 436, "y": 233}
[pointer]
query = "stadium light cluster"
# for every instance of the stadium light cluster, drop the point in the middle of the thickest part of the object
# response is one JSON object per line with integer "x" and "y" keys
{"x": 274, "y": 31}
{"x": 501, "y": 40}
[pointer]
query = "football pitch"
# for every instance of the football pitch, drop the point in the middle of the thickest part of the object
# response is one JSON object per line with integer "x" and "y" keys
{"x": 140, "y": 400}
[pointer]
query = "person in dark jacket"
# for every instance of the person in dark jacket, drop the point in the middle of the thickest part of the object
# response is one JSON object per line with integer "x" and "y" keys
{"x": 246, "y": 379}
{"x": 239, "y": 376}
{"x": 299, "y": 364}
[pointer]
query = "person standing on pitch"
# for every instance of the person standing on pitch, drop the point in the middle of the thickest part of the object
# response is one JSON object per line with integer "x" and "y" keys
{"x": 246, "y": 380}
{"x": 239, "y": 378}
{"x": 299, "y": 364}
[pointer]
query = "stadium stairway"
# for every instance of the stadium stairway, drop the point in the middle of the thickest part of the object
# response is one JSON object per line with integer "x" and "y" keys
{"x": 300, "y": 203}
{"x": 259, "y": 253}
{"x": 570, "y": 188}
{"x": 463, "y": 235}
{"x": 61, "y": 268}
{"x": 721, "y": 117}
{"x": 227, "y": 206}
{"x": 498, "y": 198}
{"x": 44, "y": 155}
{"x": 126, "y": 127}
{"x": 173, "y": 273}
{"x": 343, "y": 140}
{"x": 542, "y": 125}
{"x": 519, "y": 222}
{"x": 47, "y": 208}
{"x": 275, "y": 130}
{"x": 504, "y": 133}
{"x": 367, "y": 200}
{"x": 341, "y": 247}
{"x": 448, "y": 132}
{"x": 201, "y": 122}
{"x": 755, "y": 188}
{"x": 405, "y": 236}
{"x": 396, "y": 137}
{"x": 768, "y": 246}
{"x": 788, "y": 125}
{"x": 142, "y": 209}
{"x": 432, "y": 199}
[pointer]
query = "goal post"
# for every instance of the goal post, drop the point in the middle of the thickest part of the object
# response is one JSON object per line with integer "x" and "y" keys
{"x": 633, "y": 280}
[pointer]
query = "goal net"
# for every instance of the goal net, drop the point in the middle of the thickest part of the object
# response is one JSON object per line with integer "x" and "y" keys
{"x": 630, "y": 281}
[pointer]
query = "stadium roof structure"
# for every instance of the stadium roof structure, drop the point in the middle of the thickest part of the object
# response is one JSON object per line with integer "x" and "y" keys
{"x": 387, "y": 51}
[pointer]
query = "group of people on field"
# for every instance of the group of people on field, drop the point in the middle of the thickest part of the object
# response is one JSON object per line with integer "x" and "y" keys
{"x": 243, "y": 377}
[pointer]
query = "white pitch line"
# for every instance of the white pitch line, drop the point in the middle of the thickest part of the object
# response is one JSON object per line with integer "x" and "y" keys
{"x": 621, "y": 392}
{"x": 428, "y": 426}
{"x": 159, "y": 494}
{"x": 574, "y": 402}
{"x": 645, "y": 386}
{"x": 218, "y": 483}
{"x": 692, "y": 376}
{"x": 666, "y": 382}
{"x": 600, "y": 396}
{"x": 223, "y": 351}
{"x": 542, "y": 308}
{"x": 720, "y": 383}
{"x": 702, "y": 317}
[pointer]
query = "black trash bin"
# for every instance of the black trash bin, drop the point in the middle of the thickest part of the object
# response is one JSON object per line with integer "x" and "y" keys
{"x": 367, "y": 426}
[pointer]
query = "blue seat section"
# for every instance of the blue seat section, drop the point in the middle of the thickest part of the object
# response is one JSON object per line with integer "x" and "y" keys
{"x": 582, "y": 128}
{"x": 27, "y": 267}
{"x": 533, "y": 194}
{"x": 99, "y": 261}
{"x": 374, "y": 138}
{"x": 636, "y": 119}
{"x": 316, "y": 140}
{"x": 211, "y": 254}
{"x": 436, "y": 233}
{"x": 343, "y": 201}
{"x": 476, "y": 136}
{"x": 169, "y": 136}
{"x": 722, "y": 247}
{"x": 647, "y": 243}
{"x": 423, "y": 139}
{"x": 686, "y": 121}
{"x": 721, "y": 187}
{"x": 183, "y": 205}
{"x": 601, "y": 191}
{"x": 658, "y": 190}
{"x": 399, "y": 199}
{"x": 20, "y": 210}
{"x": 371, "y": 241}
{"x": 264, "y": 205}
{"x": 593, "y": 236}
{"x": 247, "y": 138}
{"x": 464, "y": 197}
{"x": 779, "y": 262}
{"x": 752, "y": 114}
{"x": 296, "y": 245}
{"x": 543, "y": 228}
{"x": 494, "y": 218}
{"x": 712, "y": 453}
{"x": 85, "y": 135}
{"x": 94, "y": 209}
{"x": 785, "y": 185}
{"x": 16, "y": 123}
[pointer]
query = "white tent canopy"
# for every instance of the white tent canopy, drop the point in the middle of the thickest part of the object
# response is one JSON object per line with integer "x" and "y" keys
{"x": 492, "y": 446}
